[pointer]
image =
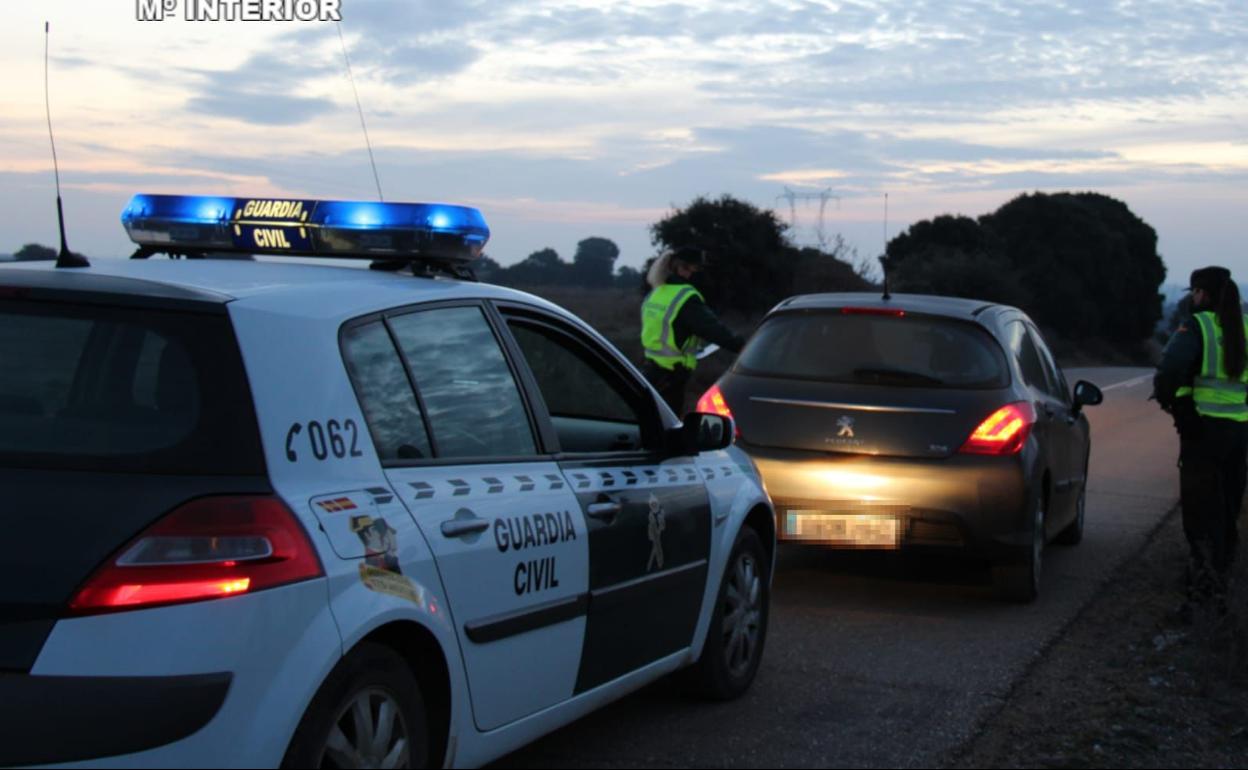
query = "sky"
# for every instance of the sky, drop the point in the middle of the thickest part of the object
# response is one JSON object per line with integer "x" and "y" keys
{"x": 563, "y": 119}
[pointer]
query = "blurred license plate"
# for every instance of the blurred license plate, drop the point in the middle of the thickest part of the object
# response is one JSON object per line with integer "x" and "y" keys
{"x": 864, "y": 531}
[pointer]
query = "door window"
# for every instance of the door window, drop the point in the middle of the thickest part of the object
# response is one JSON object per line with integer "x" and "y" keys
{"x": 1053, "y": 373}
{"x": 470, "y": 396}
{"x": 385, "y": 394}
{"x": 592, "y": 408}
{"x": 1024, "y": 350}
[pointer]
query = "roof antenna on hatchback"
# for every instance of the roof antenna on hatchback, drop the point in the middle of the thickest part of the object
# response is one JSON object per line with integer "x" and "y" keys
{"x": 65, "y": 258}
{"x": 884, "y": 256}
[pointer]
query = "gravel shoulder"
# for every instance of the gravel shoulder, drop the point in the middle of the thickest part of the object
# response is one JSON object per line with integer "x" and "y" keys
{"x": 1128, "y": 685}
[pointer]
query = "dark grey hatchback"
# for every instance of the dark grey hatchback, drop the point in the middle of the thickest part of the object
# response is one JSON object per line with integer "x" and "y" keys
{"x": 913, "y": 422}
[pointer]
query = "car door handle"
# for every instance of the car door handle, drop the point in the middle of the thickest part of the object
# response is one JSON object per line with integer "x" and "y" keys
{"x": 464, "y": 527}
{"x": 603, "y": 511}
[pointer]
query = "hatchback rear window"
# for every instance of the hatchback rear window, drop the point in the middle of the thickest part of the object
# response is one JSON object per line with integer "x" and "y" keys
{"x": 126, "y": 390}
{"x": 918, "y": 351}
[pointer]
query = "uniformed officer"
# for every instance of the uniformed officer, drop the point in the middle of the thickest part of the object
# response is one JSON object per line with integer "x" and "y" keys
{"x": 676, "y": 322}
{"x": 1203, "y": 383}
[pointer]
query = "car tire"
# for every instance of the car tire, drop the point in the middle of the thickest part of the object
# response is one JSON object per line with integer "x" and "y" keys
{"x": 1019, "y": 581}
{"x": 738, "y": 630}
{"x": 369, "y": 689}
{"x": 1073, "y": 534}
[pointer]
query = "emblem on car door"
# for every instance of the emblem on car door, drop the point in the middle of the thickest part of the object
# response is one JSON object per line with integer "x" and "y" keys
{"x": 656, "y": 524}
{"x": 846, "y": 424}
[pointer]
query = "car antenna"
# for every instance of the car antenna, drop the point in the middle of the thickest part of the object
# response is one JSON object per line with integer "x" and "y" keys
{"x": 66, "y": 258}
{"x": 884, "y": 256}
{"x": 360, "y": 108}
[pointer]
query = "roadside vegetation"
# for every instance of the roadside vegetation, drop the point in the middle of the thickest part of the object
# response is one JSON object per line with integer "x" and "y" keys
{"x": 1127, "y": 684}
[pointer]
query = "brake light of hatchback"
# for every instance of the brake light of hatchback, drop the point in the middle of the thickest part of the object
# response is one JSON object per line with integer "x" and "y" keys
{"x": 713, "y": 402}
{"x": 1004, "y": 432}
{"x": 208, "y": 548}
{"x": 873, "y": 311}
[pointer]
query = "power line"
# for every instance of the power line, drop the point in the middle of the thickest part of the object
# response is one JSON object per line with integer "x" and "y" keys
{"x": 823, "y": 196}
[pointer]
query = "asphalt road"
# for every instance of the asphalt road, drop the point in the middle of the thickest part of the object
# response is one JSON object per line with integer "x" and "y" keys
{"x": 873, "y": 660}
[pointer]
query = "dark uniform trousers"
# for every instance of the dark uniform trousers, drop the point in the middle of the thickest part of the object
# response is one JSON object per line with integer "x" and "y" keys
{"x": 1213, "y": 463}
{"x": 670, "y": 383}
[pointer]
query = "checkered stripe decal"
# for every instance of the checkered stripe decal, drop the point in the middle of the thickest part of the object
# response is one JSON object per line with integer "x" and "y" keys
{"x": 584, "y": 480}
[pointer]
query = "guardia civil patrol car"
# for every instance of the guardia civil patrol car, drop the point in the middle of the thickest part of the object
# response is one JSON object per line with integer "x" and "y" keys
{"x": 262, "y": 512}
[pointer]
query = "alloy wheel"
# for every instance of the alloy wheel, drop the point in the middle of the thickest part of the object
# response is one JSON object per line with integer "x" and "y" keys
{"x": 370, "y": 731}
{"x": 1037, "y": 547}
{"x": 742, "y": 615}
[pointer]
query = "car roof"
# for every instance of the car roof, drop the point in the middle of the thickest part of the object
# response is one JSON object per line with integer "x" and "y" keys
{"x": 927, "y": 304}
{"x": 339, "y": 290}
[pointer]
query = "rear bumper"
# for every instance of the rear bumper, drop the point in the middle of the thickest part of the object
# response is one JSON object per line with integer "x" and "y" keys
{"x": 55, "y": 719}
{"x": 968, "y": 504}
{"x": 154, "y": 675}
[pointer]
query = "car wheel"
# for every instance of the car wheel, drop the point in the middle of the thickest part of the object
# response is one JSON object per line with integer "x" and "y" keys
{"x": 368, "y": 713}
{"x": 1073, "y": 533}
{"x": 1019, "y": 581}
{"x": 738, "y": 629}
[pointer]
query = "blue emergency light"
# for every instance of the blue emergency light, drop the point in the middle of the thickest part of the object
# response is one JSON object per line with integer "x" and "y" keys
{"x": 194, "y": 224}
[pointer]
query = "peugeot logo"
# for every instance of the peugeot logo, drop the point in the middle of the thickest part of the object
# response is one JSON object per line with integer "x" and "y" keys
{"x": 846, "y": 424}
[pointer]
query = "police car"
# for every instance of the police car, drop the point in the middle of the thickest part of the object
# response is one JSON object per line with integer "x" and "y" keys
{"x": 265, "y": 513}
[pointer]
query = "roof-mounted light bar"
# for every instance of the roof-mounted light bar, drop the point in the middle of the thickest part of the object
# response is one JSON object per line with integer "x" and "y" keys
{"x": 193, "y": 224}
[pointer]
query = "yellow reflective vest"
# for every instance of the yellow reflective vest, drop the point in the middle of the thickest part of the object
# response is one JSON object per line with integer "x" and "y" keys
{"x": 658, "y": 337}
{"x": 1213, "y": 391}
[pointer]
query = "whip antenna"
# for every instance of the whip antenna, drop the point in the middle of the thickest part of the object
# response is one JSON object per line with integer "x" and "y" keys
{"x": 65, "y": 258}
{"x": 360, "y": 108}
{"x": 884, "y": 257}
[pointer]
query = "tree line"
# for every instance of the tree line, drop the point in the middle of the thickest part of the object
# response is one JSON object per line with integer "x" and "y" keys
{"x": 751, "y": 262}
{"x": 1081, "y": 264}
{"x": 592, "y": 267}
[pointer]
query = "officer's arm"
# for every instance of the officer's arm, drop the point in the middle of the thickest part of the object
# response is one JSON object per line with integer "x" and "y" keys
{"x": 697, "y": 319}
{"x": 1180, "y": 363}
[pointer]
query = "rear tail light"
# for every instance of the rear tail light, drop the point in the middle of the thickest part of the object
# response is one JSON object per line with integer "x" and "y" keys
{"x": 209, "y": 548}
{"x": 713, "y": 402}
{"x": 1004, "y": 432}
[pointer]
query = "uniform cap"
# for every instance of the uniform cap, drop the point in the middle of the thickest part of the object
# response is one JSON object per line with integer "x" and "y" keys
{"x": 690, "y": 256}
{"x": 1210, "y": 279}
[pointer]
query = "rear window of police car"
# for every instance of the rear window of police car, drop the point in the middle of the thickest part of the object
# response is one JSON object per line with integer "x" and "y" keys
{"x": 126, "y": 390}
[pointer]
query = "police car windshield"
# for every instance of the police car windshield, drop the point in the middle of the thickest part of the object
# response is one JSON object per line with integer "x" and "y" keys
{"x": 127, "y": 390}
{"x": 869, "y": 349}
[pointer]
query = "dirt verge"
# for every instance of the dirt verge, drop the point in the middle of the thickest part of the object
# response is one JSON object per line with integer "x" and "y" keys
{"x": 1130, "y": 685}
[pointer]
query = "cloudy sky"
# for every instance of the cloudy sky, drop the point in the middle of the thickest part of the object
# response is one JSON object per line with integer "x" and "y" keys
{"x": 563, "y": 119}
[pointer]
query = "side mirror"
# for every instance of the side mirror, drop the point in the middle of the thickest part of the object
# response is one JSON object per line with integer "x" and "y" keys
{"x": 1087, "y": 394}
{"x": 702, "y": 432}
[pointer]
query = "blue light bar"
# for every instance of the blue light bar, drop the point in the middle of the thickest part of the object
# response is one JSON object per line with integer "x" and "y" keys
{"x": 292, "y": 227}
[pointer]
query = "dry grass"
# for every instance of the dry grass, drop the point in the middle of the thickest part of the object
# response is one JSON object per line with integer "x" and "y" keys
{"x": 1128, "y": 685}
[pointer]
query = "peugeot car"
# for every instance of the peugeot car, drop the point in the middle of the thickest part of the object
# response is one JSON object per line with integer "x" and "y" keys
{"x": 913, "y": 422}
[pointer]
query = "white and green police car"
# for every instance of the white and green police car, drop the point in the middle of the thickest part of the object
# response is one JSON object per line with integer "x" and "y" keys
{"x": 265, "y": 512}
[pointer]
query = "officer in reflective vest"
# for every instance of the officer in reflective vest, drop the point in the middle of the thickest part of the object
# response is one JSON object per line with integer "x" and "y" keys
{"x": 676, "y": 323}
{"x": 1203, "y": 383}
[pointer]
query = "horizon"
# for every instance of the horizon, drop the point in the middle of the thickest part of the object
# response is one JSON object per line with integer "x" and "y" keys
{"x": 562, "y": 120}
